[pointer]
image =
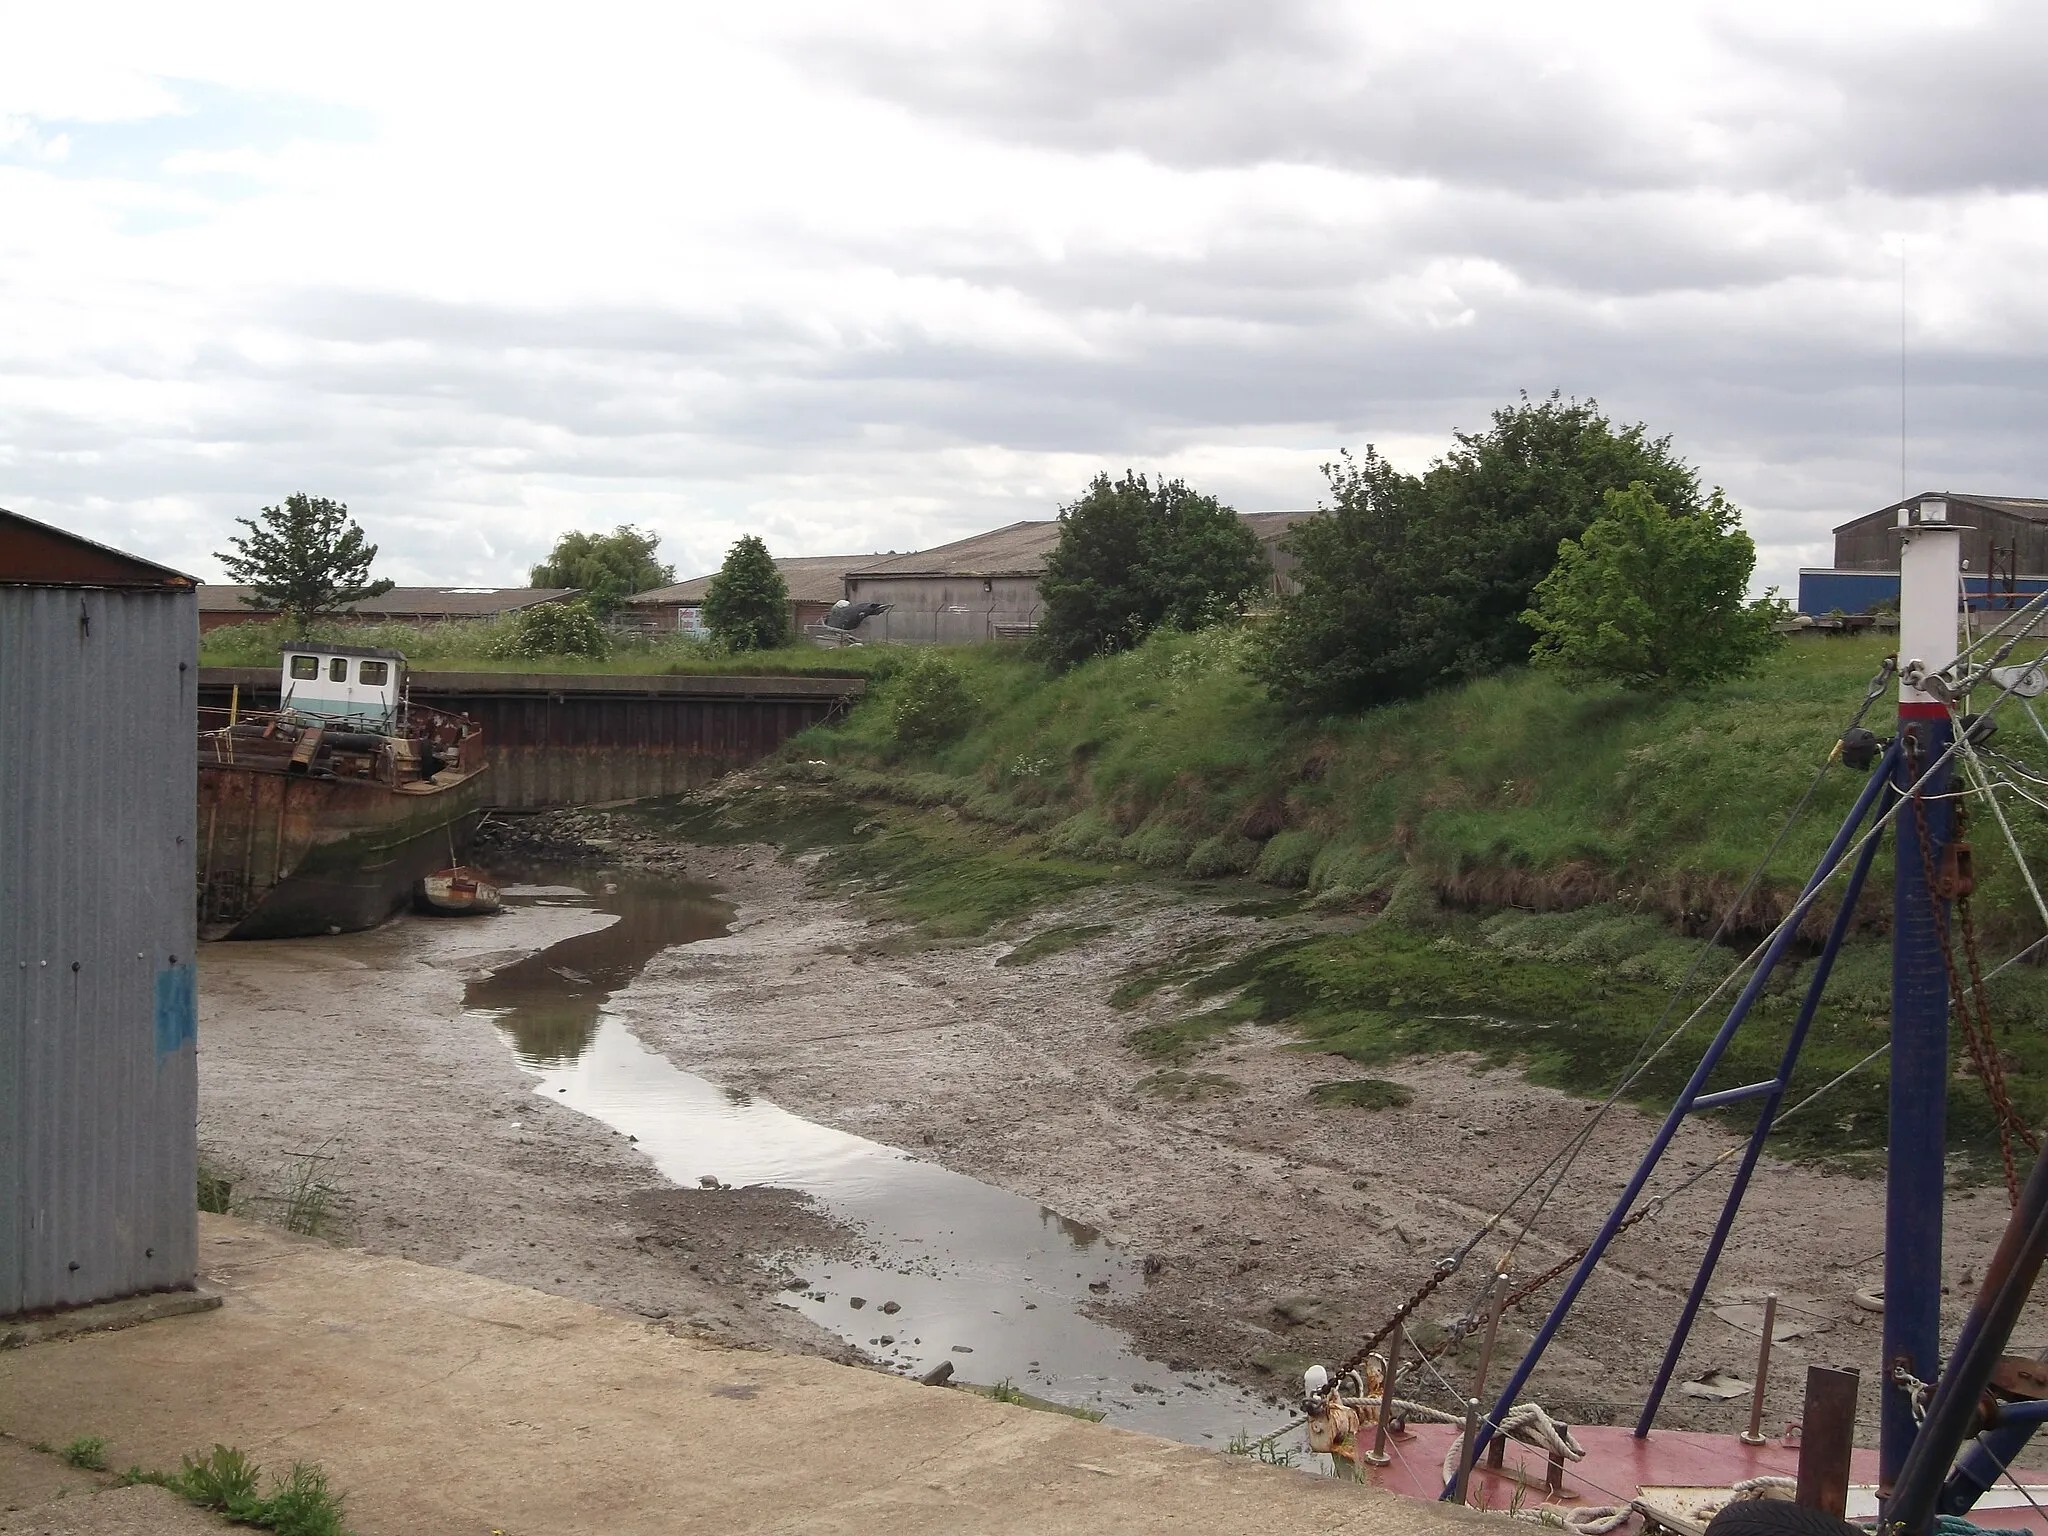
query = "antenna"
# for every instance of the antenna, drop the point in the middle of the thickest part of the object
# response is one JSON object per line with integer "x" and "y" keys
{"x": 1905, "y": 490}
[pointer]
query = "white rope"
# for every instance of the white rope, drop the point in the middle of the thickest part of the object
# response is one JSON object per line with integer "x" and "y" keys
{"x": 1766, "y": 1487}
{"x": 1975, "y": 770}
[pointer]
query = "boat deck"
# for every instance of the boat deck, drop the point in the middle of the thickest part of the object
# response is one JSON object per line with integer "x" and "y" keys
{"x": 1618, "y": 1468}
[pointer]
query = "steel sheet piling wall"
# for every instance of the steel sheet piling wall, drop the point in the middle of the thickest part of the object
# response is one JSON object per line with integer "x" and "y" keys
{"x": 98, "y": 1060}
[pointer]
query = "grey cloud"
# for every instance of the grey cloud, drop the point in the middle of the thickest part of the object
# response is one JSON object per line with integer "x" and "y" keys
{"x": 1223, "y": 84}
{"x": 1957, "y": 107}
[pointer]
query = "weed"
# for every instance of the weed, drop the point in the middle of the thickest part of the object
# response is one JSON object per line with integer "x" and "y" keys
{"x": 1363, "y": 1093}
{"x": 225, "y": 1479}
{"x": 216, "y": 1191}
{"x": 1242, "y": 1444}
{"x": 1053, "y": 941}
{"x": 308, "y": 1200}
{"x": 300, "y": 1503}
{"x": 1007, "y": 1391}
{"x": 88, "y": 1452}
{"x": 1178, "y": 1040}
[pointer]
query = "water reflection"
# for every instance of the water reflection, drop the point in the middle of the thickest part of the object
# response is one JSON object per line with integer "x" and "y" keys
{"x": 549, "y": 1003}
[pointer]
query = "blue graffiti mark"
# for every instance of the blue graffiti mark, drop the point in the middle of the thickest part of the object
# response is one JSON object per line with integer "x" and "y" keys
{"x": 177, "y": 1007}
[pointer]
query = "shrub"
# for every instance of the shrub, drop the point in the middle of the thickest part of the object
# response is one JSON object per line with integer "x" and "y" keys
{"x": 1288, "y": 858}
{"x": 1215, "y": 857}
{"x": 550, "y": 629}
{"x": 1086, "y": 836}
{"x": 930, "y": 704}
{"x": 1160, "y": 845}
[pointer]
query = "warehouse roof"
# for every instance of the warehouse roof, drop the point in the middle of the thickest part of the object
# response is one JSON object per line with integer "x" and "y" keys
{"x": 810, "y": 578}
{"x": 1022, "y": 549}
{"x": 412, "y": 603}
{"x": 34, "y": 554}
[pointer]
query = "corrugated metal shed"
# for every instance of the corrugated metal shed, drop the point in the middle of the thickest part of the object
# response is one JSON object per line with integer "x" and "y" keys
{"x": 2008, "y": 533}
{"x": 99, "y": 671}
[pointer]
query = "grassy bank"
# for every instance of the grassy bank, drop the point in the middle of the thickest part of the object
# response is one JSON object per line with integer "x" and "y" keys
{"x": 1511, "y": 791}
{"x": 472, "y": 646}
{"x": 1511, "y": 869}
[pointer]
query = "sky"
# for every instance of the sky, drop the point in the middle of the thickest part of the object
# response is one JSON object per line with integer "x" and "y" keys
{"x": 871, "y": 278}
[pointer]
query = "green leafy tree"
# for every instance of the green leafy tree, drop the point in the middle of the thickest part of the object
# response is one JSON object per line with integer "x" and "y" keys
{"x": 1134, "y": 556}
{"x": 1363, "y": 623}
{"x": 305, "y": 559}
{"x": 746, "y": 607}
{"x": 551, "y": 629}
{"x": 1412, "y": 583}
{"x": 1503, "y": 499}
{"x": 608, "y": 567}
{"x": 1654, "y": 600}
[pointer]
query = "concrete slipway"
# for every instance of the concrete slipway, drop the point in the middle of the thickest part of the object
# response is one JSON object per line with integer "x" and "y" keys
{"x": 447, "y": 1403}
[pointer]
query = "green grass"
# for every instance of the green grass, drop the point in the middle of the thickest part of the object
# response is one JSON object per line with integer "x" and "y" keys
{"x": 464, "y": 646}
{"x": 1511, "y": 790}
{"x": 1178, "y": 1087}
{"x": 1007, "y": 1391}
{"x": 226, "y": 1481}
{"x": 1052, "y": 941}
{"x": 1362, "y": 1093}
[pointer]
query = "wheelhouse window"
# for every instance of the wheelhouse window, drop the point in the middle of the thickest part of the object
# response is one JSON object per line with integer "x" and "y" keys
{"x": 373, "y": 674}
{"x": 337, "y": 669}
{"x": 305, "y": 668}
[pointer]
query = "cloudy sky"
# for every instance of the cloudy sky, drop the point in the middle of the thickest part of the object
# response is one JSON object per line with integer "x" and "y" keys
{"x": 874, "y": 277}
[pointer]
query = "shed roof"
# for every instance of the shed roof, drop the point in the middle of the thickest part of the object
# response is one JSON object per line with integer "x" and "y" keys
{"x": 810, "y": 578}
{"x": 1021, "y": 549}
{"x": 34, "y": 554}
{"x": 409, "y": 602}
{"x": 2033, "y": 509}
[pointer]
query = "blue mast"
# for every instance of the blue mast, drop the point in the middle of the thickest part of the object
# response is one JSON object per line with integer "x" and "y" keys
{"x": 1918, "y": 1139}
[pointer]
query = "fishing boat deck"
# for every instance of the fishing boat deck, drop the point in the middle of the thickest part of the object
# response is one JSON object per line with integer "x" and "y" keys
{"x": 1618, "y": 1468}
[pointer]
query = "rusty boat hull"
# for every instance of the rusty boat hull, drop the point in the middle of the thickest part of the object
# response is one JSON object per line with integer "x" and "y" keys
{"x": 288, "y": 855}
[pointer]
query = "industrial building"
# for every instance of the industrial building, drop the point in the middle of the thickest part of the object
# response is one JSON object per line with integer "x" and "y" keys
{"x": 815, "y": 583}
{"x": 2004, "y": 554}
{"x": 99, "y": 677}
{"x": 225, "y": 604}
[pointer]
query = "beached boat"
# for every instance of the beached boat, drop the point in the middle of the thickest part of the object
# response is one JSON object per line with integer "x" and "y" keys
{"x": 458, "y": 892}
{"x": 326, "y": 814}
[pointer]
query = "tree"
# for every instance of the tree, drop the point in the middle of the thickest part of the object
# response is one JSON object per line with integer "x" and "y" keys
{"x": 746, "y": 607}
{"x": 608, "y": 567}
{"x": 1133, "y": 556}
{"x": 305, "y": 558}
{"x": 1504, "y": 499}
{"x": 1363, "y": 622}
{"x": 1412, "y": 583}
{"x": 1654, "y": 600}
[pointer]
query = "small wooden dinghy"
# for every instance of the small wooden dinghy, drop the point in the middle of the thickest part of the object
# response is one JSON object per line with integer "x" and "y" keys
{"x": 457, "y": 892}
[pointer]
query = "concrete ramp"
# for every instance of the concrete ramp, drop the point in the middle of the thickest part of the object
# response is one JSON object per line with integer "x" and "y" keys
{"x": 442, "y": 1402}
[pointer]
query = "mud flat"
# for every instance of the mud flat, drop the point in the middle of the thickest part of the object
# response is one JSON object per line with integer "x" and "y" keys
{"x": 1271, "y": 1230}
{"x": 449, "y": 1077}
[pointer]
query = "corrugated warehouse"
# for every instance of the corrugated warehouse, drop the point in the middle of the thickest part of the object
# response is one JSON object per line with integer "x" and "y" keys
{"x": 99, "y": 672}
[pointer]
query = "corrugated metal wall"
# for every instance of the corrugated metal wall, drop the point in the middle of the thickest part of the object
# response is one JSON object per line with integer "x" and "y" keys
{"x": 98, "y": 1060}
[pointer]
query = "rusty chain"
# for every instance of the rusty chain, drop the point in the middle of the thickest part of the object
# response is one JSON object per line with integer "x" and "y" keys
{"x": 1969, "y": 1003}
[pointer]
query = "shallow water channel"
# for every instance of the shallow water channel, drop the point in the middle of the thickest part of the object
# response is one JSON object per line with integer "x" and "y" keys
{"x": 986, "y": 1279}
